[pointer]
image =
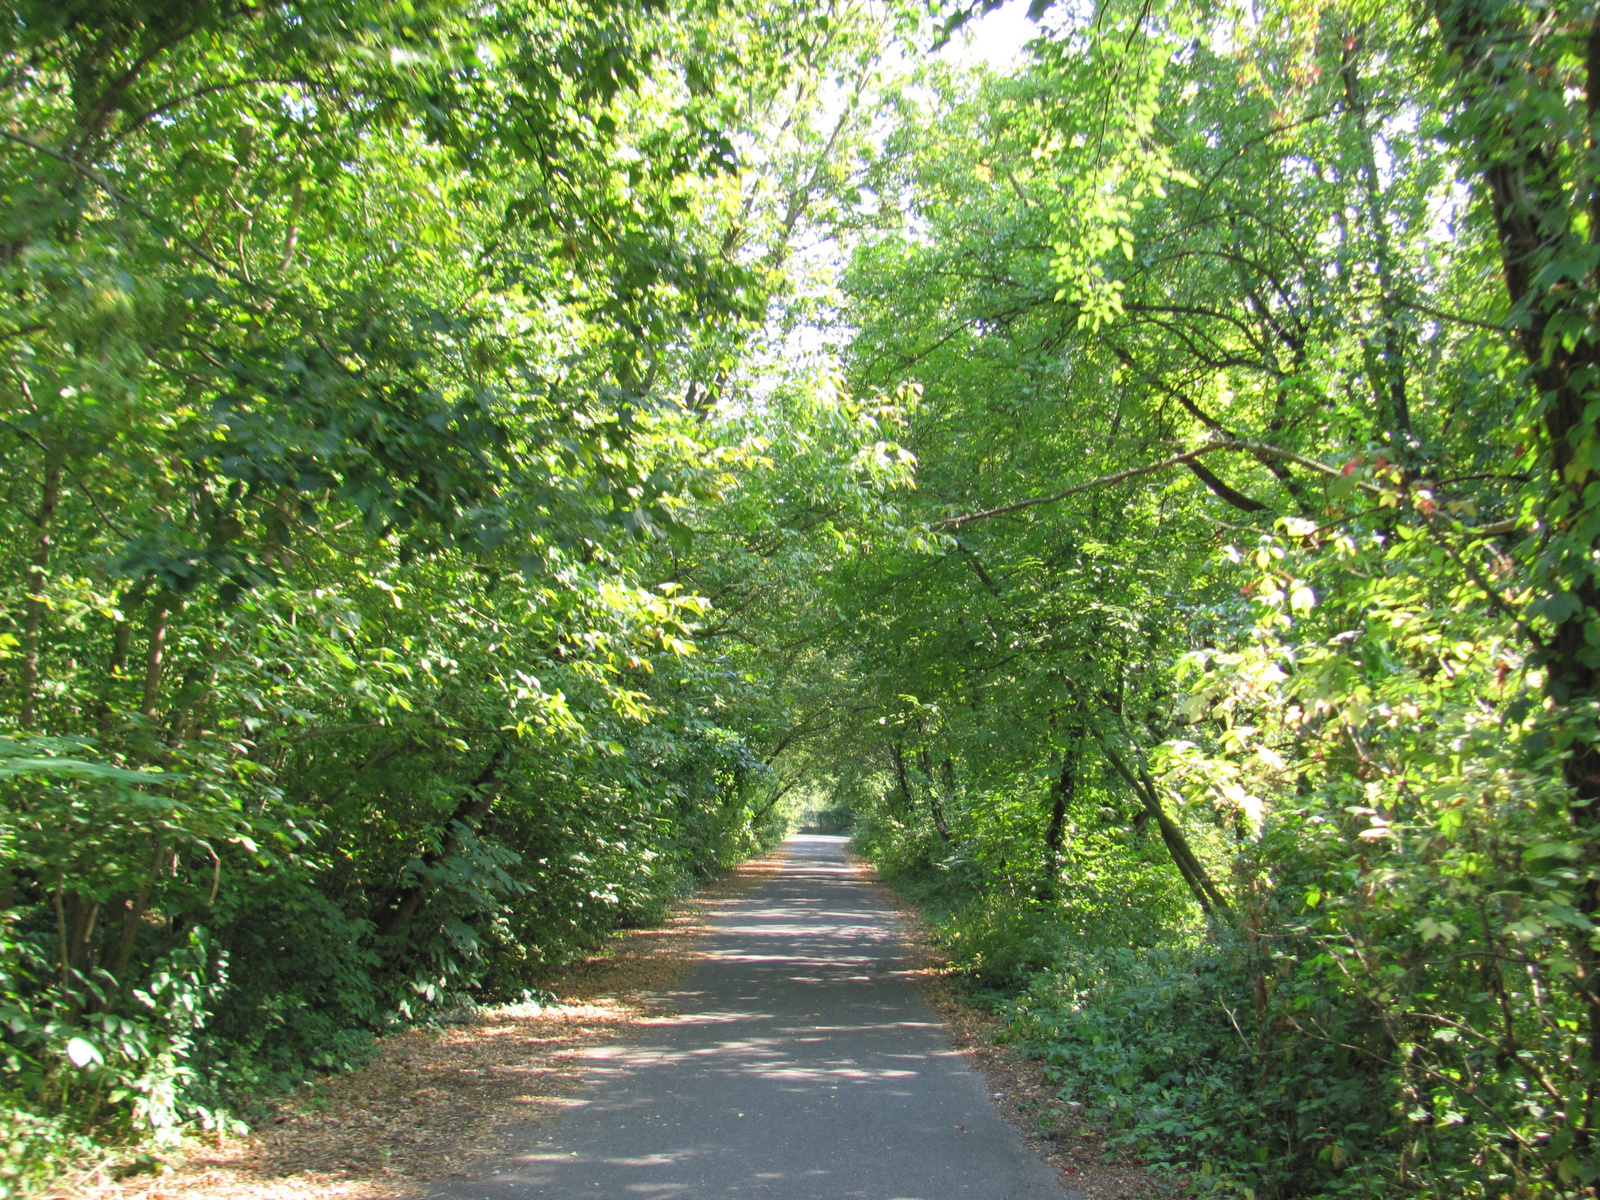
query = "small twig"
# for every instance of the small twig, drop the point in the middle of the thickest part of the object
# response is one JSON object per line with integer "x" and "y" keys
{"x": 76, "y": 478}
{"x": 1234, "y": 1021}
{"x": 334, "y": 732}
{"x": 1493, "y": 596}
{"x": 1103, "y": 481}
{"x": 216, "y": 873}
{"x": 1439, "y": 313}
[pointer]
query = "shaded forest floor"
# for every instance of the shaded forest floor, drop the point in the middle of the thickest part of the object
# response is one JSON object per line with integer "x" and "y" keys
{"x": 1067, "y": 1136}
{"x": 436, "y": 1101}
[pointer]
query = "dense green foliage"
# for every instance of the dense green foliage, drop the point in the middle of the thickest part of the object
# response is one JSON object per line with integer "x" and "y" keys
{"x": 469, "y": 469}
{"x": 354, "y": 422}
{"x": 1242, "y": 723}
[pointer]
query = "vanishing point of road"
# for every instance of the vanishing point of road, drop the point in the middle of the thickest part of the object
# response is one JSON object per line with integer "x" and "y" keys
{"x": 801, "y": 1065}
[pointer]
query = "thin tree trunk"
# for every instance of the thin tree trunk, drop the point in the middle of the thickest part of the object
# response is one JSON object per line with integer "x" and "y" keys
{"x": 116, "y": 672}
{"x": 63, "y": 942}
{"x": 1061, "y": 797}
{"x": 137, "y": 907}
{"x": 935, "y": 800}
{"x": 898, "y": 757}
{"x": 757, "y": 818}
{"x": 33, "y": 613}
{"x": 184, "y": 721}
{"x": 1522, "y": 179}
{"x": 155, "y": 658}
{"x": 1183, "y": 857}
{"x": 484, "y": 792}
{"x": 1389, "y": 387}
{"x": 78, "y": 916}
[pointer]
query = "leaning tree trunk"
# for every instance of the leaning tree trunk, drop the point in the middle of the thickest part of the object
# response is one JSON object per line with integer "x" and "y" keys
{"x": 1513, "y": 92}
{"x": 1206, "y": 893}
{"x": 485, "y": 790}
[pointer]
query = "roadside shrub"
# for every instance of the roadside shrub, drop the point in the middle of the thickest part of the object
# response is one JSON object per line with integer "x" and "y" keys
{"x": 33, "y": 1149}
{"x": 1001, "y": 942}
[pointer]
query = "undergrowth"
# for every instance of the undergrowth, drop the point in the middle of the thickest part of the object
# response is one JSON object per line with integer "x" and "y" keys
{"x": 1155, "y": 1033}
{"x": 101, "y": 1079}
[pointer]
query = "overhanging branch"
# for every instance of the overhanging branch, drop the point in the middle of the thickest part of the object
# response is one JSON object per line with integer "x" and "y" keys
{"x": 1259, "y": 449}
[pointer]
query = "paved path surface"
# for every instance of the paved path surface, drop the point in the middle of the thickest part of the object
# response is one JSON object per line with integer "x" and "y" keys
{"x": 803, "y": 1066}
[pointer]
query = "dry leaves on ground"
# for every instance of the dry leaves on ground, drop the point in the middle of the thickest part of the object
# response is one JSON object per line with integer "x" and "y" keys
{"x": 1066, "y": 1136}
{"x": 436, "y": 1102}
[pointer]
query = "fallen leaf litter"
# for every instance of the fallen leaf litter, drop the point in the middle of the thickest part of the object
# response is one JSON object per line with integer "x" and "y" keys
{"x": 438, "y": 1102}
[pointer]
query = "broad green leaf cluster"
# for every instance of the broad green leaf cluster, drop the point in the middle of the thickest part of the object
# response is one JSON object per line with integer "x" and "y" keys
{"x": 1237, "y": 714}
{"x": 370, "y": 368}
{"x": 470, "y": 470}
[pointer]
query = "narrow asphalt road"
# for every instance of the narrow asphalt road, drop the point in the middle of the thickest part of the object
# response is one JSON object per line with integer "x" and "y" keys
{"x": 802, "y": 1065}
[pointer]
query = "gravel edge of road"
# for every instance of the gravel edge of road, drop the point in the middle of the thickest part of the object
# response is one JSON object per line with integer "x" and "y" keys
{"x": 1064, "y": 1137}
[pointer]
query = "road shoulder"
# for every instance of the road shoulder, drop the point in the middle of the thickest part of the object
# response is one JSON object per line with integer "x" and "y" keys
{"x": 436, "y": 1101}
{"x": 1067, "y": 1137}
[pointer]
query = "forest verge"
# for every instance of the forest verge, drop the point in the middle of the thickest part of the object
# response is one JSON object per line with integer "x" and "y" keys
{"x": 1067, "y": 1135}
{"x": 435, "y": 1101}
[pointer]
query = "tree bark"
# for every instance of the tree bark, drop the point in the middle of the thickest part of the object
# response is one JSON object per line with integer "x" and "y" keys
{"x": 766, "y": 809}
{"x": 1517, "y": 155}
{"x": 78, "y": 916}
{"x": 1061, "y": 797}
{"x": 155, "y": 657}
{"x": 897, "y": 755}
{"x": 935, "y": 800}
{"x": 137, "y": 907}
{"x": 33, "y": 613}
{"x": 1210, "y": 899}
{"x": 485, "y": 790}
{"x": 1220, "y": 489}
{"x": 116, "y": 672}
{"x": 1389, "y": 380}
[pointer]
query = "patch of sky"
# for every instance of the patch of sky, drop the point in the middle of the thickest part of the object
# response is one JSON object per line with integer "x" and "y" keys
{"x": 996, "y": 42}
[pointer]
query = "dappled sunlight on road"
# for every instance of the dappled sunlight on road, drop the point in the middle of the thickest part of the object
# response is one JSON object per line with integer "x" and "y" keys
{"x": 796, "y": 1063}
